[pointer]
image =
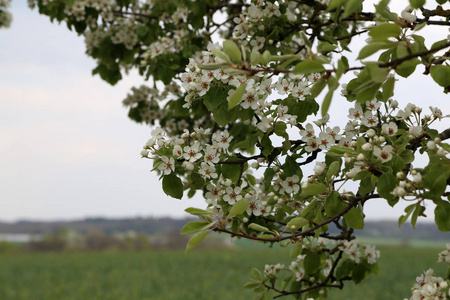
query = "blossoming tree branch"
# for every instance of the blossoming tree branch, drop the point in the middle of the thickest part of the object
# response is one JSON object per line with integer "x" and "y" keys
{"x": 238, "y": 97}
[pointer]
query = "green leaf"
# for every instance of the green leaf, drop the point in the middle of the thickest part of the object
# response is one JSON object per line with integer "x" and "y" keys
{"x": 417, "y": 3}
{"x": 442, "y": 216}
{"x": 239, "y": 207}
{"x": 258, "y": 227}
{"x": 236, "y": 97}
{"x": 436, "y": 182}
{"x": 418, "y": 211}
{"x": 408, "y": 210}
{"x": 195, "y": 226}
{"x": 291, "y": 167}
{"x": 354, "y": 218}
{"x": 196, "y": 211}
{"x": 377, "y": 74}
{"x": 333, "y": 169}
{"x": 266, "y": 144}
{"x": 318, "y": 87}
{"x": 314, "y": 189}
{"x": 214, "y": 97}
{"x": 256, "y": 274}
{"x": 344, "y": 269}
{"x": 308, "y": 67}
{"x": 366, "y": 186}
{"x": 195, "y": 240}
{"x": 339, "y": 151}
{"x": 232, "y": 50}
{"x": 441, "y": 75}
{"x": 334, "y": 4}
{"x": 251, "y": 284}
{"x": 352, "y": 6}
{"x": 333, "y": 205}
{"x": 407, "y": 68}
{"x": 296, "y": 250}
{"x": 172, "y": 186}
{"x": 255, "y": 57}
{"x": 311, "y": 263}
{"x": 386, "y": 185}
{"x": 269, "y": 173}
{"x": 221, "y": 55}
{"x": 231, "y": 171}
{"x": 388, "y": 88}
{"x": 373, "y": 48}
{"x": 326, "y": 102}
{"x": 384, "y": 31}
{"x": 359, "y": 272}
{"x": 296, "y": 223}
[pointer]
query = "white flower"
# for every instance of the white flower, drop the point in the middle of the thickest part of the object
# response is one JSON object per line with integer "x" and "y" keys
{"x": 308, "y": 133}
{"x": 290, "y": 184}
{"x": 407, "y": 14}
{"x": 167, "y": 166}
{"x": 389, "y": 129}
{"x": 192, "y": 154}
{"x": 415, "y": 131}
{"x": 319, "y": 168}
{"x": 325, "y": 140}
{"x": 207, "y": 170}
{"x": 384, "y": 154}
{"x": 311, "y": 145}
{"x": 232, "y": 195}
{"x": 323, "y": 121}
{"x": 355, "y": 113}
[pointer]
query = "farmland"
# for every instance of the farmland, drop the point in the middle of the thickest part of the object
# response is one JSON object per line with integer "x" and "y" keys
{"x": 202, "y": 274}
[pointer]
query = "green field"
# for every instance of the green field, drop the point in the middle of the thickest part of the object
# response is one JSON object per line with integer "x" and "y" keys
{"x": 202, "y": 274}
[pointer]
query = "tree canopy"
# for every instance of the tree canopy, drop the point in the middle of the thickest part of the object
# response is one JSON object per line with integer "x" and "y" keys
{"x": 235, "y": 89}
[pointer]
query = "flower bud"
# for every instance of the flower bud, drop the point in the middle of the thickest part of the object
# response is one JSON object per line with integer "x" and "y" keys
{"x": 367, "y": 147}
{"x": 144, "y": 153}
{"x": 437, "y": 140}
{"x": 349, "y": 160}
{"x": 401, "y": 175}
{"x": 431, "y": 145}
{"x": 360, "y": 157}
{"x": 245, "y": 220}
{"x": 399, "y": 192}
{"x": 381, "y": 139}
{"x": 371, "y": 133}
{"x": 441, "y": 152}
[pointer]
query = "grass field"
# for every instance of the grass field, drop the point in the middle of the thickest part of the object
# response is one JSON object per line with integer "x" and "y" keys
{"x": 202, "y": 274}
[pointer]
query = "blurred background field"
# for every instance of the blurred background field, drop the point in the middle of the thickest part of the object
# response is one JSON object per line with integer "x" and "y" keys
{"x": 104, "y": 264}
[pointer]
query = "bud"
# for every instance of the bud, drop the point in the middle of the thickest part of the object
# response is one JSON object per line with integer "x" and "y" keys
{"x": 437, "y": 140}
{"x": 371, "y": 133}
{"x": 367, "y": 147}
{"x": 399, "y": 192}
{"x": 349, "y": 160}
{"x": 381, "y": 139}
{"x": 276, "y": 168}
{"x": 431, "y": 145}
{"x": 360, "y": 157}
{"x": 401, "y": 175}
{"x": 441, "y": 152}
{"x": 150, "y": 143}
{"x": 245, "y": 220}
{"x": 394, "y": 104}
{"x": 144, "y": 153}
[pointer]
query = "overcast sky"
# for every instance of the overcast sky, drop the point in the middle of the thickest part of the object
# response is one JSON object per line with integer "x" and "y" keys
{"x": 67, "y": 147}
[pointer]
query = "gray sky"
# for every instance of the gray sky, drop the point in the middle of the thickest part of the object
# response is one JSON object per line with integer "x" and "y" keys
{"x": 67, "y": 148}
